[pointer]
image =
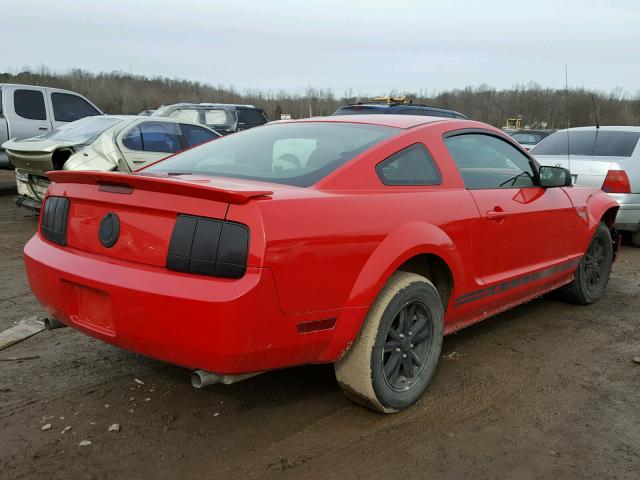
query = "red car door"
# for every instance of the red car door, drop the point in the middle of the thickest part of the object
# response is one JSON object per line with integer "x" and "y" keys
{"x": 528, "y": 232}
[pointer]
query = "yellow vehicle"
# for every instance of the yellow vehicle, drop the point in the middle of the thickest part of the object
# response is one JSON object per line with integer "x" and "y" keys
{"x": 513, "y": 123}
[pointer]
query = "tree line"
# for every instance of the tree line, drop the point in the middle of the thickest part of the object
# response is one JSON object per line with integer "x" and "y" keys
{"x": 124, "y": 93}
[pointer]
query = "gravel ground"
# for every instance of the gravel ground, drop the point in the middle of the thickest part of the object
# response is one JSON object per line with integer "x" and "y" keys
{"x": 546, "y": 390}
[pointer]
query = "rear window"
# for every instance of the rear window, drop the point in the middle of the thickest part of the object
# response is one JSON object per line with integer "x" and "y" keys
{"x": 616, "y": 144}
{"x": 250, "y": 116}
{"x": 297, "y": 154}
{"x": 591, "y": 143}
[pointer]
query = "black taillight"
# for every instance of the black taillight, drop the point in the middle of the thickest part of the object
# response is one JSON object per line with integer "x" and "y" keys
{"x": 55, "y": 214}
{"x": 208, "y": 247}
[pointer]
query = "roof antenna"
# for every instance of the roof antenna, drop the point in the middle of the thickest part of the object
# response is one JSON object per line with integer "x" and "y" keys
{"x": 595, "y": 112}
{"x": 566, "y": 101}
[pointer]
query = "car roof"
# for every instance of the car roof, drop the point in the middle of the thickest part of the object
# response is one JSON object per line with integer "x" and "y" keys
{"x": 603, "y": 128}
{"x": 153, "y": 119}
{"x": 206, "y": 105}
{"x": 399, "y": 106}
{"x": 24, "y": 85}
{"x": 387, "y": 120}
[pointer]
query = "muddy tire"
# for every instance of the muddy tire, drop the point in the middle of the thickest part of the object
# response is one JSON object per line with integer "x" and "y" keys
{"x": 395, "y": 355}
{"x": 634, "y": 239}
{"x": 592, "y": 274}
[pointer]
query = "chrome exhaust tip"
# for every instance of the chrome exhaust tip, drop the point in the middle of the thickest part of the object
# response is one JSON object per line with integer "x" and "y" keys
{"x": 202, "y": 378}
{"x": 51, "y": 323}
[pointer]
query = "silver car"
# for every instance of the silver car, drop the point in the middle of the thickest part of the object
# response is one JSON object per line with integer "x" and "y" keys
{"x": 604, "y": 157}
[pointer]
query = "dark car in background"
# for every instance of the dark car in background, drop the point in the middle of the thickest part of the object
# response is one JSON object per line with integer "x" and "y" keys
{"x": 396, "y": 106}
{"x": 530, "y": 138}
{"x": 224, "y": 118}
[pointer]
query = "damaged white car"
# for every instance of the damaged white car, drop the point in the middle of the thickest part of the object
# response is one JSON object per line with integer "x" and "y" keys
{"x": 110, "y": 142}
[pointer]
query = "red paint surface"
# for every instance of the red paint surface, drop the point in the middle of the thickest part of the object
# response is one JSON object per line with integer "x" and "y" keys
{"x": 316, "y": 253}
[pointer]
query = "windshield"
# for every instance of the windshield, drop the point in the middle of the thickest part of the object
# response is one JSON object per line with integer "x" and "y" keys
{"x": 289, "y": 153}
{"x": 589, "y": 143}
{"x": 83, "y": 131}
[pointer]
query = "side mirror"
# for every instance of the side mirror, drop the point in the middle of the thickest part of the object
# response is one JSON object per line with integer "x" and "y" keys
{"x": 554, "y": 177}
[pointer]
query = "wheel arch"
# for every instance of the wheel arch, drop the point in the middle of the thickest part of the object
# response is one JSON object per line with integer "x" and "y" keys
{"x": 604, "y": 209}
{"x": 415, "y": 247}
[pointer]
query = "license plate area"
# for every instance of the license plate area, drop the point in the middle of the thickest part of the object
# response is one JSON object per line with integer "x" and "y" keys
{"x": 91, "y": 308}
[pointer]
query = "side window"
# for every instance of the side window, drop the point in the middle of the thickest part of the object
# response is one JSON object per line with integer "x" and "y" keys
{"x": 196, "y": 135}
{"x": 133, "y": 139}
{"x": 186, "y": 115}
{"x": 216, "y": 117}
{"x": 154, "y": 137}
{"x": 69, "y": 108}
{"x": 412, "y": 166}
{"x": 29, "y": 104}
{"x": 486, "y": 161}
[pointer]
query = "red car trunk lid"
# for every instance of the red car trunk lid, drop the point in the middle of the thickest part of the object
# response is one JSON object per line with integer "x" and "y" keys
{"x": 146, "y": 208}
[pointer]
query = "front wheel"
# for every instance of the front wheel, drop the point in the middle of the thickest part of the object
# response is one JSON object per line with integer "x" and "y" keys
{"x": 635, "y": 238}
{"x": 593, "y": 272}
{"x": 396, "y": 353}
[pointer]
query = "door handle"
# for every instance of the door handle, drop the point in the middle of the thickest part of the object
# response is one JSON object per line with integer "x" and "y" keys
{"x": 496, "y": 214}
{"x": 43, "y": 128}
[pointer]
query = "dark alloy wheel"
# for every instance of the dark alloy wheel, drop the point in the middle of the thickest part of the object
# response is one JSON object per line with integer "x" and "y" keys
{"x": 592, "y": 274}
{"x": 594, "y": 267}
{"x": 396, "y": 353}
{"x": 407, "y": 346}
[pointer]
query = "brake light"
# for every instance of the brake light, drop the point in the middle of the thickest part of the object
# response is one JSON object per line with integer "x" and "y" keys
{"x": 53, "y": 224}
{"x": 208, "y": 247}
{"x": 616, "y": 182}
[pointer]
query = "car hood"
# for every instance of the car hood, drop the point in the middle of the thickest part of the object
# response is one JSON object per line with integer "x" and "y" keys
{"x": 586, "y": 170}
{"x": 34, "y": 155}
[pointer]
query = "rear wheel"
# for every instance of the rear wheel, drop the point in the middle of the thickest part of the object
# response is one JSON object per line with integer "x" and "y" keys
{"x": 635, "y": 238}
{"x": 593, "y": 272}
{"x": 396, "y": 353}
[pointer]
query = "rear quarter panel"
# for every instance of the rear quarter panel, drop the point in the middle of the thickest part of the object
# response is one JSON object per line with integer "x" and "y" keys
{"x": 335, "y": 245}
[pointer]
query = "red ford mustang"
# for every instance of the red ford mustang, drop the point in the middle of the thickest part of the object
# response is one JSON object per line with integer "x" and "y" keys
{"x": 355, "y": 240}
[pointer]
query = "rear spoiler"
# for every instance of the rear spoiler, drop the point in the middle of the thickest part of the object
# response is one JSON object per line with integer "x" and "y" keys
{"x": 118, "y": 182}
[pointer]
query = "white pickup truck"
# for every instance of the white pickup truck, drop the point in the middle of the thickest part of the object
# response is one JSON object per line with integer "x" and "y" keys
{"x": 28, "y": 110}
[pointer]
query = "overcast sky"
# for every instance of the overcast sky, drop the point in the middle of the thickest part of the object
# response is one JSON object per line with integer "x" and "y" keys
{"x": 370, "y": 46}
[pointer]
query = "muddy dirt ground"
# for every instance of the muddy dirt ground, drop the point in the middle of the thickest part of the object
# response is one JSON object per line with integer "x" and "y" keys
{"x": 547, "y": 390}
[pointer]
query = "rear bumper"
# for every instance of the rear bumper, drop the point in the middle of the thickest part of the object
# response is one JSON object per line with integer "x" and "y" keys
{"x": 628, "y": 218}
{"x": 31, "y": 186}
{"x": 220, "y": 325}
{"x": 28, "y": 203}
